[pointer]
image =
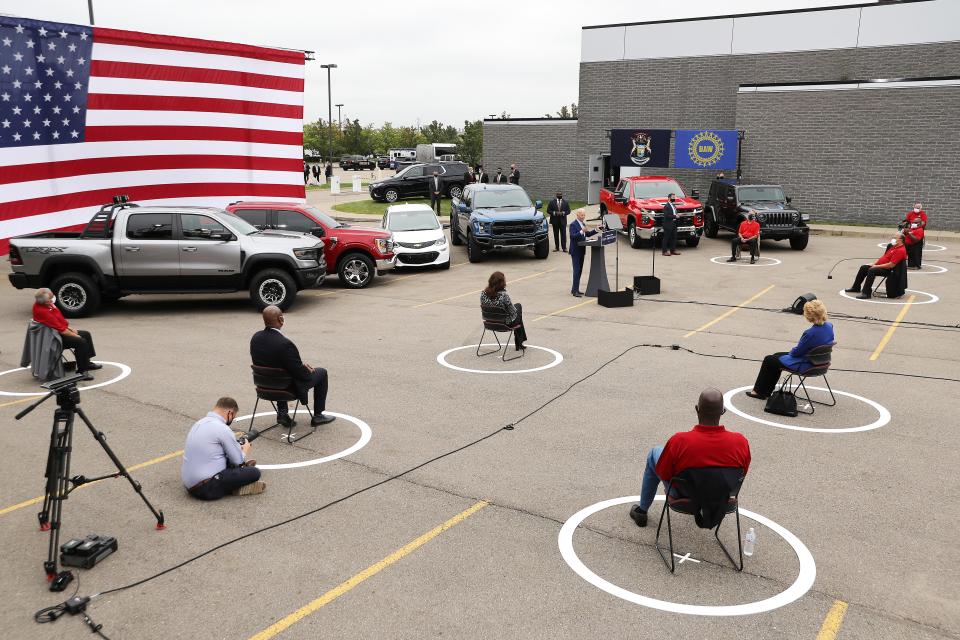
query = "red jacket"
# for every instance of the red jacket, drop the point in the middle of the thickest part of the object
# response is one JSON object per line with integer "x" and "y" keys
{"x": 895, "y": 254}
{"x": 912, "y": 236}
{"x": 50, "y": 316}
{"x": 749, "y": 229}
{"x": 703, "y": 446}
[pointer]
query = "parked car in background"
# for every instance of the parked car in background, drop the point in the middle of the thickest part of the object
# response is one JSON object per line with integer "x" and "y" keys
{"x": 383, "y": 162}
{"x": 728, "y": 204}
{"x": 639, "y": 200}
{"x": 418, "y": 238}
{"x": 356, "y": 163}
{"x": 497, "y": 217}
{"x": 353, "y": 253}
{"x": 414, "y": 181}
{"x": 127, "y": 249}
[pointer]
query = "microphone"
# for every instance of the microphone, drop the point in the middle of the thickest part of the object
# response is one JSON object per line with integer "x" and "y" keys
{"x": 830, "y": 273}
{"x": 249, "y": 436}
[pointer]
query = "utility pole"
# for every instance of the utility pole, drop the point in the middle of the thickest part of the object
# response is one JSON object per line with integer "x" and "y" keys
{"x": 90, "y": 8}
{"x": 328, "y": 67}
{"x": 339, "y": 117}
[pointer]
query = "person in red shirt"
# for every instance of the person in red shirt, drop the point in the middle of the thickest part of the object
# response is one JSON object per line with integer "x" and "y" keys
{"x": 748, "y": 233}
{"x": 893, "y": 256}
{"x": 45, "y": 312}
{"x": 914, "y": 227}
{"x": 708, "y": 444}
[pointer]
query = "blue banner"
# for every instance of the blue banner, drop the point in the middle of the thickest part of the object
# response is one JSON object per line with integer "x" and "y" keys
{"x": 705, "y": 149}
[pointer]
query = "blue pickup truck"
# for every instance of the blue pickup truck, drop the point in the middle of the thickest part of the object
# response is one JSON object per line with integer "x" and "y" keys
{"x": 497, "y": 217}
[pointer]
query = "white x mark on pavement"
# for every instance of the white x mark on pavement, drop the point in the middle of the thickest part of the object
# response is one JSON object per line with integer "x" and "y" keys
{"x": 686, "y": 557}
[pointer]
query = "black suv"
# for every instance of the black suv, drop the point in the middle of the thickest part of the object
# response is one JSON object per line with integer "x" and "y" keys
{"x": 414, "y": 181}
{"x": 727, "y": 206}
{"x": 353, "y": 163}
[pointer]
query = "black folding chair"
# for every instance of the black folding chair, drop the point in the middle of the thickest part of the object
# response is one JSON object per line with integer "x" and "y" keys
{"x": 708, "y": 494}
{"x": 276, "y": 385}
{"x": 496, "y": 320}
{"x": 820, "y": 359}
{"x": 738, "y": 251}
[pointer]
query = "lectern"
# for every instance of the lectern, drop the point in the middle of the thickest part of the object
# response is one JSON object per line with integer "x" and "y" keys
{"x": 598, "y": 267}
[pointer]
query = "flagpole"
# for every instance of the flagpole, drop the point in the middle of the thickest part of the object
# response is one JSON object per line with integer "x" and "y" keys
{"x": 90, "y": 8}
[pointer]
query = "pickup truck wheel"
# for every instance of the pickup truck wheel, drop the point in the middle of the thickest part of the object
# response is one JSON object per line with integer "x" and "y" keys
{"x": 391, "y": 195}
{"x": 710, "y": 226}
{"x": 77, "y": 295}
{"x": 455, "y": 191}
{"x": 473, "y": 249}
{"x": 455, "y": 238}
{"x": 273, "y": 287}
{"x": 356, "y": 270}
{"x": 542, "y": 249}
{"x": 799, "y": 244}
{"x": 635, "y": 240}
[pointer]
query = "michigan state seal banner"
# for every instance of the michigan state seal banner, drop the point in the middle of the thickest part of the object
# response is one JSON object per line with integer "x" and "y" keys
{"x": 706, "y": 149}
{"x": 640, "y": 147}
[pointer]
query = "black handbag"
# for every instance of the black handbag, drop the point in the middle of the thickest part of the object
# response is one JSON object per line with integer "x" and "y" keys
{"x": 782, "y": 403}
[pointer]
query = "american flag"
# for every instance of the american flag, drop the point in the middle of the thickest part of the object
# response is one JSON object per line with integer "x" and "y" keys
{"x": 87, "y": 113}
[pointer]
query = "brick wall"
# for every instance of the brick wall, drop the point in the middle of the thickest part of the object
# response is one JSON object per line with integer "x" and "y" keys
{"x": 544, "y": 152}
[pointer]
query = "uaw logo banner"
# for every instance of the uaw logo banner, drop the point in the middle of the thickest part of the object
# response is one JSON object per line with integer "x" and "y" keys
{"x": 640, "y": 147}
{"x": 706, "y": 149}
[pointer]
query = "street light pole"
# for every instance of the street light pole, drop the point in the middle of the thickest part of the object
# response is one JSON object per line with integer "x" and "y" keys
{"x": 328, "y": 67}
{"x": 339, "y": 117}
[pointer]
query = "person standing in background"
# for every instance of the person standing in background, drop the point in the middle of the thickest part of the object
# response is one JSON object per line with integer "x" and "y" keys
{"x": 514, "y": 174}
{"x": 436, "y": 191}
{"x": 482, "y": 176}
{"x": 669, "y": 241}
{"x": 558, "y": 210}
{"x": 914, "y": 229}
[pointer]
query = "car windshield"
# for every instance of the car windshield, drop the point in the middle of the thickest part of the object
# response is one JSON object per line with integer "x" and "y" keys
{"x": 412, "y": 221}
{"x": 484, "y": 199}
{"x": 237, "y": 223}
{"x": 658, "y": 189}
{"x": 761, "y": 193}
{"x": 322, "y": 218}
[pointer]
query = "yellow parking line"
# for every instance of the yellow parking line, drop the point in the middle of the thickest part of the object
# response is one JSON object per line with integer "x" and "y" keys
{"x": 553, "y": 313}
{"x": 470, "y": 293}
{"x": 21, "y": 400}
{"x": 831, "y": 624}
{"x": 32, "y": 501}
{"x": 893, "y": 327}
{"x": 372, "y": 570}
{"x": 729, "y": 312}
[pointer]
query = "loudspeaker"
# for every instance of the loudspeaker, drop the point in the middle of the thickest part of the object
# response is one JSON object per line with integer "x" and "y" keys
{"x": 615, "y": 298}
{"x": 646, "y": 285}
{"x": 797, "y": 307}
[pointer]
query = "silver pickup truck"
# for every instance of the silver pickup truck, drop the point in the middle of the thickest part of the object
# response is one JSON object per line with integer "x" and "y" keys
{"x": 128, "y": 249}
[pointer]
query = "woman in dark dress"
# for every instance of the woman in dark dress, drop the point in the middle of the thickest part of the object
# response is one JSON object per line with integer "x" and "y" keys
{"x": 495, "y": 294}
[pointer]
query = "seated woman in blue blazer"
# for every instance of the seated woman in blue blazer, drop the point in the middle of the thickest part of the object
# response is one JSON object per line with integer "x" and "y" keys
{"x": 819, "y": 334}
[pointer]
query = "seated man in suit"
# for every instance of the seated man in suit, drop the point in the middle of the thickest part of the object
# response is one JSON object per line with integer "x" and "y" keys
{"x": 270, "y": 348}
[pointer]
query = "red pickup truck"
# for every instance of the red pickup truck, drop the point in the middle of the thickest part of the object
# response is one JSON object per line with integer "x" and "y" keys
{"x": 639, "y": 200}
{"x": 353, "y": 253}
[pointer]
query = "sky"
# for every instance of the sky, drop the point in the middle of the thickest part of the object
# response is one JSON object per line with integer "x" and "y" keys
{"x": 408, "y": 61}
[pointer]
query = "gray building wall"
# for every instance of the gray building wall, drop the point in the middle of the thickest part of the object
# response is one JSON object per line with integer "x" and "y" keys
{"x": 543, "y": 150}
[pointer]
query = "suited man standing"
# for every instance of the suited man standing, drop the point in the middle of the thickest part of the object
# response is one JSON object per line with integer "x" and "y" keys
{"x": 499, "y": 178}
{"x": 558, "y": 210}
{"x": 270, "y": 348}
{"x": 669, "y": 242}
{"x": 436, "y": 191}
{"x": 514, "y": 174}
{"x": 578, "y": 233}
{"x": 482, "y": 176}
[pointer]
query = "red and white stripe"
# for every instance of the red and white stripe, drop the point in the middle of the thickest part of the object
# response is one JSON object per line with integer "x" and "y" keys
{"x": 170, "y": 121}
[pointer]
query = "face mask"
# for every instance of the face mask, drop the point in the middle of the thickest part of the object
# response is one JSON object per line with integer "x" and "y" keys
{"x": 894, "y": 241}
{"x": 53, "y": 299}
{"x": 917, "y": 209}
{"x": 230, "y": 421}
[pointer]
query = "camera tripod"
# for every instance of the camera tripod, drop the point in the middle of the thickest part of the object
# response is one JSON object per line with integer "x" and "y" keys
{"x": 59, "y": 484}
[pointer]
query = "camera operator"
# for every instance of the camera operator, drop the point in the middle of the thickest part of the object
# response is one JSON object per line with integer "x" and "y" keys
{"x": 214, "y": 463}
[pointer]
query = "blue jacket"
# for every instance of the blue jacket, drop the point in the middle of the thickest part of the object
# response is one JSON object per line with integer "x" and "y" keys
{"x": 815, "y": 336}
{"x": 577, "y": 236}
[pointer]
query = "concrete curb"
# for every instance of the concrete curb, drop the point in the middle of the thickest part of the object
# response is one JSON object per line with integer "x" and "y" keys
{"x": 874, "y": 232}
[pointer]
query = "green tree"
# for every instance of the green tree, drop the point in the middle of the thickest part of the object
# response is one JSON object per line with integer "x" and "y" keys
{"x": 471, "y": 142}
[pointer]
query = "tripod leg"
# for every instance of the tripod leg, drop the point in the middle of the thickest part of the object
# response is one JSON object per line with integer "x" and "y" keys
{"x": 58, "y": 484}
{"x": 102, "y": 439}
{"x": 50, "y": 474}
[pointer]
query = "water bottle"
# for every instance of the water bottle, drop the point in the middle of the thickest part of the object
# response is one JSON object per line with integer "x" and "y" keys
{"x": 749, "y": 541}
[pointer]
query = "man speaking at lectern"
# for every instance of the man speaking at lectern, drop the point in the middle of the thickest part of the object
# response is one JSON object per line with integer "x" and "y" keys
{"x": 578, "y": 233}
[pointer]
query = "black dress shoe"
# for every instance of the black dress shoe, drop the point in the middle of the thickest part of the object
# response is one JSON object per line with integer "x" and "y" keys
{"x": 753, "y": 260}
{"x": 556, "y": 249}
{"x": 864, "y": 296}
{"x": 86, "y": 376}
{"x": 852, "y": 290}
{"x": 93, "y": 366}
{"x": 638, "y": 516}
{"x": 731, "y": 259}
{"x": 284, "y": 420}
{"x": 320, "y": 418}
{"x": 577, "y": 294}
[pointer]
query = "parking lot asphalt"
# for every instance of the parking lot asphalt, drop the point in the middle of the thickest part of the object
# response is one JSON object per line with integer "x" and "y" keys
{"x": 468, "y": 545}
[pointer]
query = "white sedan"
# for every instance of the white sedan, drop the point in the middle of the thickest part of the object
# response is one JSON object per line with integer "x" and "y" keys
{"x": 418, "y": 238}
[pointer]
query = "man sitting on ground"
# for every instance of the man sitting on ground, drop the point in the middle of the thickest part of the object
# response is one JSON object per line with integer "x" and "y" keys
{"x": 45, "y": 312}
{"x": 894, "y": 255}
{"x": 214, "y": 463}
{"x": 270, "y": 348}
{"x": 708, "y": 444}
{"x": 749, "y": 234}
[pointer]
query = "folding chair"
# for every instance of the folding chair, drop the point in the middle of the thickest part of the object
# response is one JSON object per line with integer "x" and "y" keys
{"x": 820, "y": 358}
{"x": 744, "y": 245}
{"x": 495, "y": 320}
{"x": 276, "y": 385}
{"x": 708, "y": 494}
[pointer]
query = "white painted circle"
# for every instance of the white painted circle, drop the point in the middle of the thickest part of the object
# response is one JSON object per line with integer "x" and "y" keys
{"x": 926, "y": 247}
{"x": 914, "y": 272}
{"x": 442, "y": 359}
{"x": 876, "y": 424}
{"x": 365, "y": 435}
{"x": 124, "y": 372}
{"x": 874, "y": 300}
{"x": 723, "y": 260}
{"x": 805, "y": 578}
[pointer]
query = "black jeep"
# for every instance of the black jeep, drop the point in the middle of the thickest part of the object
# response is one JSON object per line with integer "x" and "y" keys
{"x": 727, "y": 206}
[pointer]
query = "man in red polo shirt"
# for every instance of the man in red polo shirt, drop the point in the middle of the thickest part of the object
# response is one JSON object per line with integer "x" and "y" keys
{"x": 891, "y": 258}
{"x": 748, "y": 233}
{"x": 914, "y": 227}
{"x": 708, "y": 444}
{"x": 46, "y": 312}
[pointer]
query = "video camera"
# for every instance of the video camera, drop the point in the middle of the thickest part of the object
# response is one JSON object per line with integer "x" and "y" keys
{"x": 249, "y": 436}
